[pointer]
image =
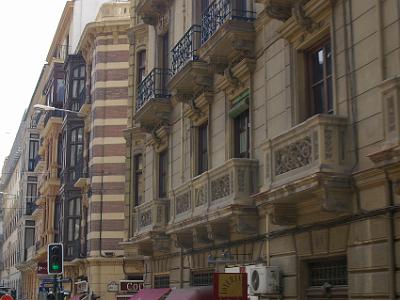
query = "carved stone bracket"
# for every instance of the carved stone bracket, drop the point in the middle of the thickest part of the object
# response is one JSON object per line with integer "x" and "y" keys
{"x": 335, "y": 194}
{"x": 200, "y": 235}
{"x": 283, "y": 213}
{"x": 219, "y": 232}
{"x": 183, "y": 240}
{"x": 245, "y": 224}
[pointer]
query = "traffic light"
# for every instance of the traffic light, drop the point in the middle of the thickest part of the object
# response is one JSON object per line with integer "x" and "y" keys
{"x": 55, "y": 259}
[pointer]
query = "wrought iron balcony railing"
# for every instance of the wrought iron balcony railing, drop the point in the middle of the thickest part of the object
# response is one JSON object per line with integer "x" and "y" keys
{"x": 186, "y": 49}
{"x": 219, "y": 12}
{"x": 52, "y": 113}
{"x": 153, "y": 86}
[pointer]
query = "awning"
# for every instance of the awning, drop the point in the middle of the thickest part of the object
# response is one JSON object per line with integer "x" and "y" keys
{"x": 196, "y": 293}
{"x": 75, "y": 298}
{"x": 79, "y": 297}
{"x": 150, "y": 294}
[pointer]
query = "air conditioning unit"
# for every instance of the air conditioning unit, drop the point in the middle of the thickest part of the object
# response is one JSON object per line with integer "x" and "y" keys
{"x": 264, "y": 280}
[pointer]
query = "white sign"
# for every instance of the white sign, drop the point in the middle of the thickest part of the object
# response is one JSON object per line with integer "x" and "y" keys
{"x": 112, "y": 287}
{"x": 131, "y": 286}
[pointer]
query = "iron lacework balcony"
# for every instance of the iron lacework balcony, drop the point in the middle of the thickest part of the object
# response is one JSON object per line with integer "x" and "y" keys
{"x": 186, "y": 49}
{"x": 219, "y": 12}
{"x": 152, "y": 102}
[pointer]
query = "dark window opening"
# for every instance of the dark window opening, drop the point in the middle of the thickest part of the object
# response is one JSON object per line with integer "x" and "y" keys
{"x": 201, "y": 278}
{"x": 161, "y": 281}
{"x": 162, "y": 174}
{"x": 332, "y": 271}
{"x": 138, "y": 179}
{"x": 242, "y": 135}
{"x": 202, "y": 161}
{"x": 320, "y": 79}
{"x": 141, "y": 62}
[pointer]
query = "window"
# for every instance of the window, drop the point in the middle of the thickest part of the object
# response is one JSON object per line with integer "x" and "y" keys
{"x": 161, "y": 281}
{"x": 332, "y": 271}
{"x": 162, "y": 174}
{"x": 60, "y": 91}
{"x": 73, "y": 219}
{"x": 77, "y": 88}
{"x": 202, "y": 150}
{"x": 141, "y": 62}
{"x": 76, "y": 154}
{"x": 33, "y": 150}
{"x": 58, "y": 220}
{"x": 320, "y": 79}
{"x": 31, "y": 194}
{"x": 138, "y": 179}
{"x": 201, "y": 278}
{"x": 241, "y": 135}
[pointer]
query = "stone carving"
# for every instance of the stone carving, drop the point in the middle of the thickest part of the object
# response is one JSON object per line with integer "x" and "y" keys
{"x": 159, "y": 214}
{"x": 162, "y": 24}
{"x": 220, "y": 187}
{"x": 241, "y": 180}
{"x": 315, "y": 145}
{"x": 293, "y": 156}
{"x": 200, "y": 196}
{"x": 328, "y": 133}
{"x": 145, "y": 218}
{"x": 391, "y": 116}
{"x": 182, "y": 203}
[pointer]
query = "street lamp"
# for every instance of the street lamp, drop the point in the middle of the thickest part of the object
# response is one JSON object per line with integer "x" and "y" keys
{"x": 51, "y": 108}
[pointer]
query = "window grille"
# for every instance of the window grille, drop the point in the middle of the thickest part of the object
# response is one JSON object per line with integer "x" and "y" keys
{"x": 201, "y": 278}
{"x": 333, "y": 272}
{"x": 161, "y": 281}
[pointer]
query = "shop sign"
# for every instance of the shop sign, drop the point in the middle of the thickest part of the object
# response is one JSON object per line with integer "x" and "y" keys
{"x": 112, "y": 287}
{"x": 230, "y": 286}
{"x": 130, "y": 286}
{"x": 82, "y": 287}
{"x": 42, "y": 268}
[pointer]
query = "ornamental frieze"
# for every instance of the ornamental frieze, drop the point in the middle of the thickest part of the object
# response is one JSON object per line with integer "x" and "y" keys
{"x": 182, "y": 203}
{"x": 220, "y": 187}
{"x": 145, "y": 219}
{"x": 293, "y": 156}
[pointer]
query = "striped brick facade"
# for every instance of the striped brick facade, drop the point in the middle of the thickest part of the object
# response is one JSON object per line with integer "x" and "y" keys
{"x": 109, "y": 94}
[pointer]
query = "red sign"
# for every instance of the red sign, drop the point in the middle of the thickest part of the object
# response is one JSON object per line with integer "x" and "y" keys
{"x": 41, "y": 268}
{"x": 6, "y": 297}
{"x": 230, "y": 286}
{"x": 130, "y": 286}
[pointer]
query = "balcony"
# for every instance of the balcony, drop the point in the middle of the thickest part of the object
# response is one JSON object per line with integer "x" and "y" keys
{"x": 150, "y": 220}
{"x": 38, "y": 163}
{"x": 309, "y": 160}
{"x": 53, "y": 116}
{"x": 217, "y": 196}
{"x": 227, "y": 31}
{"x": 189, "y": 74}
{"x": 152, "y": 103}
{"x": 151, "y": 10}
{"x": 61, "y": 52}
{"x": 30, "y": 206}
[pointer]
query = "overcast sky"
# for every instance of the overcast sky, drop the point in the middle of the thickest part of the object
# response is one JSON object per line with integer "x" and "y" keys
{"x": 26, "y": 30}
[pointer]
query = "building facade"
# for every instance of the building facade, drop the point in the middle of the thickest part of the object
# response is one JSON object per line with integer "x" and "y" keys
{"x": 265, "y": 132}
{"x": 82, "y": 149}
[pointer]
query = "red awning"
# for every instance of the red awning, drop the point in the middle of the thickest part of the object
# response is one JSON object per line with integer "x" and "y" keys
{"x": 150, "y": 294}
{"x": 198, "y": 293}
{"x": 75, "y": 298}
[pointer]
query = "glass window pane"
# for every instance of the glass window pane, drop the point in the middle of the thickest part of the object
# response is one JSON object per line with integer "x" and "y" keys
{"x": 80, "y": 134}
{"x": 75, "y": 88}
{"x": 70, "y": 229}
{"x": 78, "y": 207}
{"x": 71, "y": 207}
{"x": 318, "y": 96}
{"x": 317, "y": 61}
{"x": 76, "y": 72}
{"x": 73, "y": 155}
{"x": 328, "y": 59}
{"x": 76, "y": 231}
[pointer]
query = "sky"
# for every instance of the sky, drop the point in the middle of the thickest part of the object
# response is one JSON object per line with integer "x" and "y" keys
{"x": 26, "y": 29}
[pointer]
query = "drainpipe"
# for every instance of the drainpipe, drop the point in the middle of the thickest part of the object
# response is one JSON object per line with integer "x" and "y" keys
{"x": 391, "y": 252}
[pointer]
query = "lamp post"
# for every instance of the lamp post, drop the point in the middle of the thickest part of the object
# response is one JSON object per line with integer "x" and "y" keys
{"x": 51, "y": 108}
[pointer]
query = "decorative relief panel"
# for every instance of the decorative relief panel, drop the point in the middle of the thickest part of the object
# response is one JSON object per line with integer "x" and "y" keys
{"x": 315, "y": 145}
{"x": 328, "y": 135}
{"x": 200, "y": 196}
{"x": 145, "y": 218}
{"x": 293, "y": 156}
{"x": 182, "y": 203}
{"x": 220, "y": 187}
{"x": 241, "y": 180}
{"x": 391, "y": 114}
